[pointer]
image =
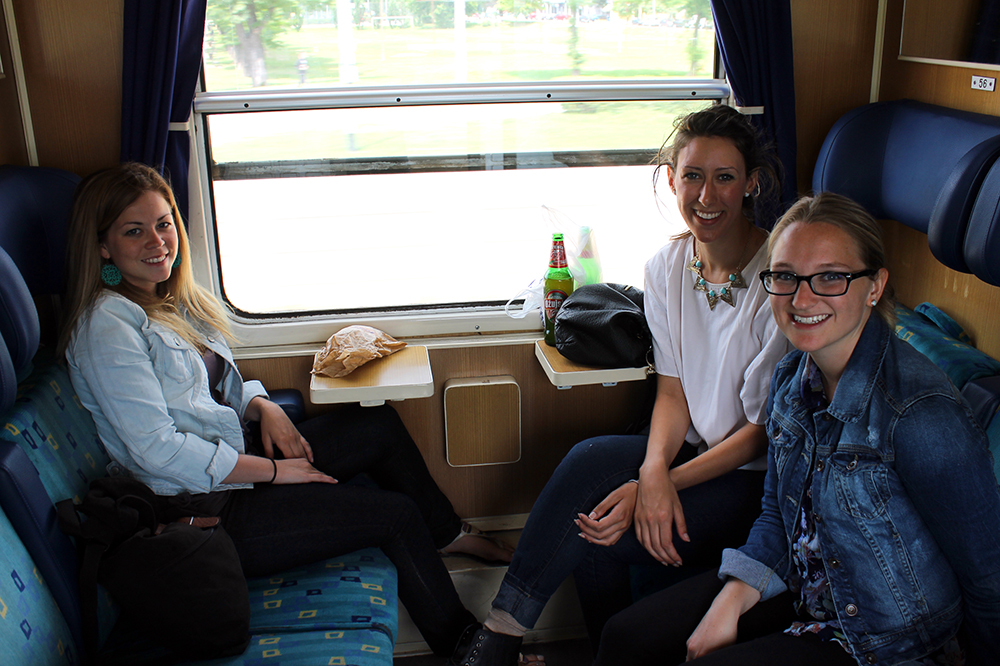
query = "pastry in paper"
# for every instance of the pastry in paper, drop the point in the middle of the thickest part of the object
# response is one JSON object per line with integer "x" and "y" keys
{"x": 350, "y": 348}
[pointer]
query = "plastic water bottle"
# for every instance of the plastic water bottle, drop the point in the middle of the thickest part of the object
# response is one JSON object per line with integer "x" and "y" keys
{"x": 589, "y": 260}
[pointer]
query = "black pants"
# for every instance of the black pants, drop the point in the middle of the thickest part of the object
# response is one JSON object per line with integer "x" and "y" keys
{"x": 407, "y": 516}
{"x": 655, "y": 631}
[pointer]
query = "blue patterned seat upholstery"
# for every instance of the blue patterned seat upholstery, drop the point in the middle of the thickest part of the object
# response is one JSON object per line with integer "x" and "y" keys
{"x": 358, "y": 647}
{"x": 356, "y": 590}
{"x": 32, "y": 630}
{"x": 935, "y": 335}
{"x": 56, "y": 432}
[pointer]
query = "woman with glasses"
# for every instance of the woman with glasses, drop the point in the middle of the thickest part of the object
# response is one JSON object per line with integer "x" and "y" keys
{"x": 692, "y": 486}
{"x": 880, "y": 533}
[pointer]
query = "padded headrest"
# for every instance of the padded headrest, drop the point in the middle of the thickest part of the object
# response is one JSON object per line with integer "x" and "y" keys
{"x": 982, "y": 240}
{"x": 916, "y": 163}
{"x": 8, "y": 379}
{"x": 35, "y": 204}
{"x": 19, "y": 325}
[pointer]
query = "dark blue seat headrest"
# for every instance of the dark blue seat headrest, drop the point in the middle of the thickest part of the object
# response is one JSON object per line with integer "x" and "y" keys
{"x": 982, "y": 240}
{"x": 19, "y": 325}
{"x": 35, "y": 204}
{"x": 8, "y": 379}
{"x": 916, "y": 163}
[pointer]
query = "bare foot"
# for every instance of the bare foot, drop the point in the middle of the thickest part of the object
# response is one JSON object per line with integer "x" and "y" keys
{"x": 538, "y": 659}
{"x": 480, "y": 545}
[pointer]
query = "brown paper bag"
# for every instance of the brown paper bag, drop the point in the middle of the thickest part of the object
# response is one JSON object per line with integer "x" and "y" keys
{"x": 350, "y": 348}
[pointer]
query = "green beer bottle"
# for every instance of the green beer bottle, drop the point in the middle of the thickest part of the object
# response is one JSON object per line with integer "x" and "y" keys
{"x": 558, "y": 285}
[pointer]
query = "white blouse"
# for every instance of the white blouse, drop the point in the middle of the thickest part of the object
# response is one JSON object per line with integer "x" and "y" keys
{"x": 724, "y": 357}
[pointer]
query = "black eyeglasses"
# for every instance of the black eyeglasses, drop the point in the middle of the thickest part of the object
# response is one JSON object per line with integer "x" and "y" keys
{"x": 829, "y": 283}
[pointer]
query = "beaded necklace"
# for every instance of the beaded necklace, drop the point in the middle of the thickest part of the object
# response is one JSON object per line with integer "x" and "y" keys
{"x": 725, "y": 293}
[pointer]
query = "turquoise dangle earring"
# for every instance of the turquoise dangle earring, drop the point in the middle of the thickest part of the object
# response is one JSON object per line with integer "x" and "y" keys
{"x": 110, "y": 275}
{"x": 177, "y": 261}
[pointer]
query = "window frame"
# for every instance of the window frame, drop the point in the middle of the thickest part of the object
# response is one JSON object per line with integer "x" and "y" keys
{"x": 278, "y": 334}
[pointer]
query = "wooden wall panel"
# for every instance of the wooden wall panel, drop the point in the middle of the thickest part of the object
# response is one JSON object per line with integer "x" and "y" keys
{"x": 72, "y": 54}
{"x": 552, "y": 421}
{"x": 834, "y": 46}
{"x": 946, "y": 85}
{"x": 12, "y": 146}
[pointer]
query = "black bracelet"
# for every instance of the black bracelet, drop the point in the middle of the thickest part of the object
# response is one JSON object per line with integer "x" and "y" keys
{"x": 275, "y": 475}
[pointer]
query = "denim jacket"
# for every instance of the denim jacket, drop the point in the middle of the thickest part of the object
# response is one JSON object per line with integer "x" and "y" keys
{"x": 148, "y": 392}
{"x": 906, "y": 506}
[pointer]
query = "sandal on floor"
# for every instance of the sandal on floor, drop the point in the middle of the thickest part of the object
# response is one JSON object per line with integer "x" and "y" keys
{"x": 469, "y": 530}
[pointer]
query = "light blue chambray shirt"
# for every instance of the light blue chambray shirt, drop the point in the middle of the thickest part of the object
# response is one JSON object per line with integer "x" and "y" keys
{"x": 148, "y": 392}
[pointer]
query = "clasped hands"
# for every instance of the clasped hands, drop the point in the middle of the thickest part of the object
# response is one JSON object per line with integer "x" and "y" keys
{"x": 651, "y": 504}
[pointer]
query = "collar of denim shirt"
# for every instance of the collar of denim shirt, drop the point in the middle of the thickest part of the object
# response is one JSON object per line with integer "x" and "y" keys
{"x": 854, "y": 390}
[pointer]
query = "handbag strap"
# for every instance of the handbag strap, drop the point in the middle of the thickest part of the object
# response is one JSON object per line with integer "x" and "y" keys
{"x": 93, "y": 551}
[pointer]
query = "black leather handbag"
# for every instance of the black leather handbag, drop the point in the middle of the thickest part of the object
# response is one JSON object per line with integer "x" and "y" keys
{"x": 603, "y": 325}
{"x": 179, "y": 582}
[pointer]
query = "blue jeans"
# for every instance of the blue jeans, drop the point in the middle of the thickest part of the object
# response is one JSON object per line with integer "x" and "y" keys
{"x": 719, "y": 514}
{"x": 406, "y": 515}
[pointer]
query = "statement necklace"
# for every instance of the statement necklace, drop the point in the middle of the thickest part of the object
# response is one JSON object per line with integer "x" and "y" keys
{"x": 725, "y": 293}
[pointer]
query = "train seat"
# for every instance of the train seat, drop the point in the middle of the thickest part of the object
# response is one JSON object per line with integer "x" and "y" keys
{"x": 343, "y": 609}
{"x": 916, "y": 163}
{"x": 982, "y": 241}
{"x": 33, "y": 631}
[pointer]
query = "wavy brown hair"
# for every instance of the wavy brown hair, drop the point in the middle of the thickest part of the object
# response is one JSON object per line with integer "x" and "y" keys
{"x": 720, "y": 120}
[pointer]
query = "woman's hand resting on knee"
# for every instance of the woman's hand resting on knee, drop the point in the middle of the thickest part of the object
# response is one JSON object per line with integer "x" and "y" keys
{"x": 611, "y": 518}
{"x": 257, "y": 469}
{"x": 299, "y": 470}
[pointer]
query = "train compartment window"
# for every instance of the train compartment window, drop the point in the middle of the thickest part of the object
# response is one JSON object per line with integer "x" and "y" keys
{"x": 385, "y": 159}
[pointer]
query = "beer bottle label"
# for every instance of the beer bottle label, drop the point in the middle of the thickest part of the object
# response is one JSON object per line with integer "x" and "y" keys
{"x": 557, "y": 259}
{"x": 553, "y": 299}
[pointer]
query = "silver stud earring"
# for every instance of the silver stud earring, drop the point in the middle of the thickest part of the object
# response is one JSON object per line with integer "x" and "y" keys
{"x": 746, "y": 194}
{"x": 874, "y": 302}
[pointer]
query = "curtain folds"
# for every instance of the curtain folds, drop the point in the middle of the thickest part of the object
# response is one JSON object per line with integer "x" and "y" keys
{"x": 161, "y": 61}
{"x": 755, "y": 39}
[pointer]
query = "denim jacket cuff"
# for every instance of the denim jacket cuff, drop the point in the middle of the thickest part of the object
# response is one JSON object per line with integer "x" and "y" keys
{"x": 251, "y": 389}
{"x": 759, "y": 576}
{"x": 222, "y": 465}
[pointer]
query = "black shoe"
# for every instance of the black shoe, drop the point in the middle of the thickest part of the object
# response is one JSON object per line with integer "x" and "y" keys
{"x": 486, "y": 649}
{"x": 463, "y": 644}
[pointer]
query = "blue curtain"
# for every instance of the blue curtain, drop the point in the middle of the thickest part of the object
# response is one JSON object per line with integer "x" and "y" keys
{"x": 756, "y": 42}
{"x": 161, "y": 61}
